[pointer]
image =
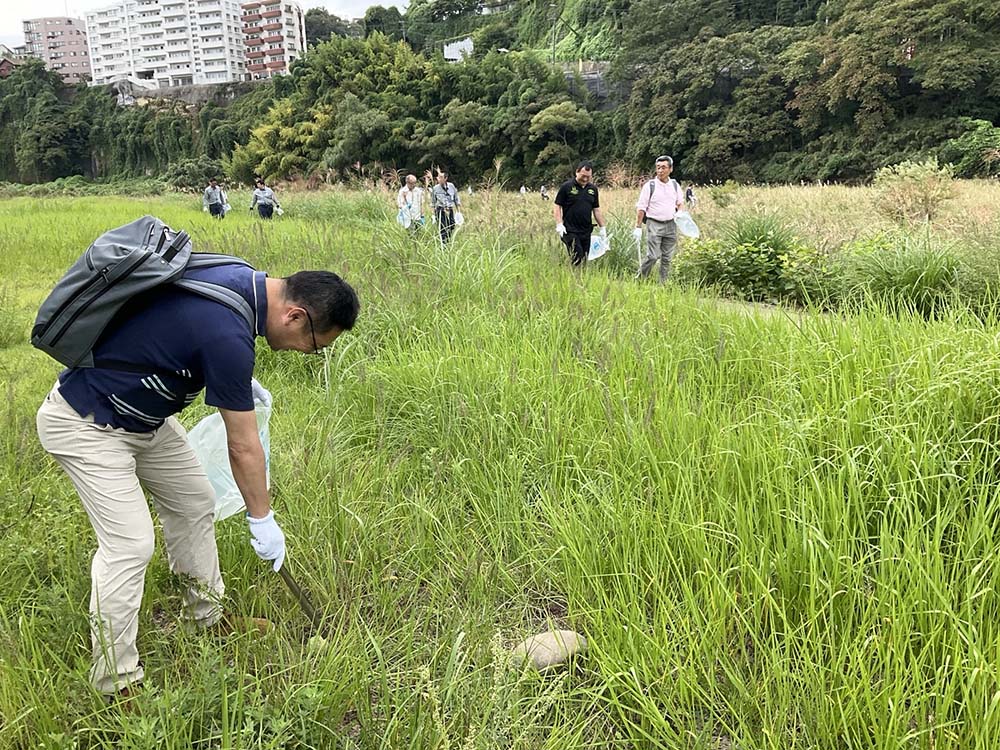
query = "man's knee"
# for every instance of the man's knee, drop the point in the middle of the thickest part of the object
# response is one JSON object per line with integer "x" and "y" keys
{"x": 130, "y": 552}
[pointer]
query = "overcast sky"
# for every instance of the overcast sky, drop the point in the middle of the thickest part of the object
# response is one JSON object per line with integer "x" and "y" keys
{"x": 12, "y": 13}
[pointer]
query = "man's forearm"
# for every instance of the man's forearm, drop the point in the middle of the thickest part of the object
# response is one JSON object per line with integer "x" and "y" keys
{"x": 599, "y": 215}
{"x": 639, "y": 216}
{"x": 250, "y": 473}
{"x": 557, "y": 213}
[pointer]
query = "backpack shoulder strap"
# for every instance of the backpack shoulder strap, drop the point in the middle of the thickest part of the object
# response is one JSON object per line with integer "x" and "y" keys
{"x": 209, "y": 260}
{"x": 224, "y": 295}
{"x": 652, "y": 187}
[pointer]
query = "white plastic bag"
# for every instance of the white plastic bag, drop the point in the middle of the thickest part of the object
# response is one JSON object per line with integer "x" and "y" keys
{"x": 279, "y": 211}
{"x": 599, "y": 245}
{"x": 404, "y": 219}
{"x": 208, "y": 440}
{"x": 226, "y": 208}
{"x": 459, "y": 219}
{"x": 686, "y": 226}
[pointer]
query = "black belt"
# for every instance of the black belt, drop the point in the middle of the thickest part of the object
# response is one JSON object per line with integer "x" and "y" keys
{"x": 658, "y": 221}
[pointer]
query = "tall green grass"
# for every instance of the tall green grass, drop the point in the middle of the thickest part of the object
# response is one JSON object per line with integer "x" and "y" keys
{"x": 776, "y": 532}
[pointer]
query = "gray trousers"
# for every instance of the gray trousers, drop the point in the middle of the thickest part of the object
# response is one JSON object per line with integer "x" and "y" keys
{"x": 661, "y": 244}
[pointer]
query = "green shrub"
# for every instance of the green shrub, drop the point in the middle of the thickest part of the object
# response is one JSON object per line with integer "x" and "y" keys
{"x": 901, "y": 273}
{"x": 77, "y": 185}
{"x": 759, "y": 259}
{"x": 975, "y": 153}
{"x": 811, "y": 277}
{"x": 193, "y": 174}
{"x": 913, "y": 191}
{"x": 723, "y": 195}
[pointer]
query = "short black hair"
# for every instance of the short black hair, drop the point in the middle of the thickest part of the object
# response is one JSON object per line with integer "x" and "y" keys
{"x": 585, "y": 165}
{"x": 331, "y": 301}
{"x": 212, "y": 179}
{"x": 443, "y": 173}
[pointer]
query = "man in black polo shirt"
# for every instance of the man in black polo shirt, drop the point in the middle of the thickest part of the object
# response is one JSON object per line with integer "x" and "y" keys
{"x": 576, "y": 200}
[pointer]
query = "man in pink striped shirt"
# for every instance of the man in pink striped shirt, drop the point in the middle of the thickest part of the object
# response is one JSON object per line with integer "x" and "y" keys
{"x": 659, "y": 201}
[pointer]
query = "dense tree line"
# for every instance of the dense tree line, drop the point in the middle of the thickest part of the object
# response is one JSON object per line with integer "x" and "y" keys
{"x": 770, "y": 90}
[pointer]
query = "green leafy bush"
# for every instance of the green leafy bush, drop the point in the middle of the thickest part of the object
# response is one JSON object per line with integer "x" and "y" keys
{"x": 913, "y": 191}
{"x": 975, "y": 153}
{"x": 193, "y": 174}
{"x": 798, "y": 274}
{"x": 723, "y": 195}
{"x": 80, "y": 186}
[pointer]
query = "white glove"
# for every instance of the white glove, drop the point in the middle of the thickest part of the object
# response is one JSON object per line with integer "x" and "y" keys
{"x": 260, "y": 393}
{"x": 205, "y": 209}
{"x": 603, "y": 232}
{"x": 268, "y": 540}
{"x": 637, "y": 234}
{"x": 561, "y": 229}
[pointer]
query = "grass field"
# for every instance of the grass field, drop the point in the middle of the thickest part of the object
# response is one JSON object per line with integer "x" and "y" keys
{"x": 776, "y": 530}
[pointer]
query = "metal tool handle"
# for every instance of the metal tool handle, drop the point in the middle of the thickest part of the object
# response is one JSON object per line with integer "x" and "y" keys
{"x": 307, "y": 607}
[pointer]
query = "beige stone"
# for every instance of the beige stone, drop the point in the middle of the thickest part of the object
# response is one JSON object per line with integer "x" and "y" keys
{"x": 549, "y": 649}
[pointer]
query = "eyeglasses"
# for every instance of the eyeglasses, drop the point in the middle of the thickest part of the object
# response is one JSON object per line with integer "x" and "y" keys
{"x": 312, "y": 332}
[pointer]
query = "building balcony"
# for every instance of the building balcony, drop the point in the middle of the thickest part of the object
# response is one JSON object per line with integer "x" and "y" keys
{"x": 275, "y": 50}
{"x": 250, "y": 6}
{"x": 253, "y": 43}
{"x": 276, "y": 65}
{"x": 250, "y": 17}
{"x": 257, "y": 66}
{"x": 273, "y": 38}
{"x": 252, "y": 30}
{"x": 271, "y": 26}
{"x": 270, "y": 13}
{"x": 255, "y": 53}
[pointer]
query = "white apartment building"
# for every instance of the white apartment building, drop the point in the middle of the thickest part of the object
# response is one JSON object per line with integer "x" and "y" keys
{"x": 275, "y": 34}
{"x": 167, "y": 42}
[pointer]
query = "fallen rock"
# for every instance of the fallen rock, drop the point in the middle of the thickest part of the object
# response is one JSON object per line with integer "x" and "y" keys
{"x": 549, "y": 649}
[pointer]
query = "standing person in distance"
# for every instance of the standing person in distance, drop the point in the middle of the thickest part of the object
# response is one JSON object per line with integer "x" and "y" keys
{"x": 411, "y": 200}
{"x": 214, "y": 199}
{"x": 576, "y": 200}
{"x": 690, "y": 198}
{"x": 659, "y": 201}
{"x": 264, "y": 200}
{"x": 444, "y": 201}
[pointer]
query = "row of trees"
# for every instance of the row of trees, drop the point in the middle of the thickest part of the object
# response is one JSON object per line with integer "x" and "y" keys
{"x": 771, "y": 90}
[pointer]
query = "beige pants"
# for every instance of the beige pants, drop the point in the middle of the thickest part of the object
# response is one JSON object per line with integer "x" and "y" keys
{"x": 109, "y": 468}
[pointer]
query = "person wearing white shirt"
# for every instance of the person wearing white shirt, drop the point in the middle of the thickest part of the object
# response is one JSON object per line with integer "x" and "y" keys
{"x": 265, "y": 200}
{"x": 214, "y": 200}
{"x": 411, "y": 200}
{"x": 659, "y": 201}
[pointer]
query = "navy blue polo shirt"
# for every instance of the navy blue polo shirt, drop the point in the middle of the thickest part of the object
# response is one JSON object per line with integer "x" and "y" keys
{"x": 190, "y": 343}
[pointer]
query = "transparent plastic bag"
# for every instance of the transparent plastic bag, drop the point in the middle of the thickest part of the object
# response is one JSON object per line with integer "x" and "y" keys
{"x": 598, "y": 246}
{"x": 208, "y": 441}
{"x": 686, "y": 226}
{"x": 403, "y": 218}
